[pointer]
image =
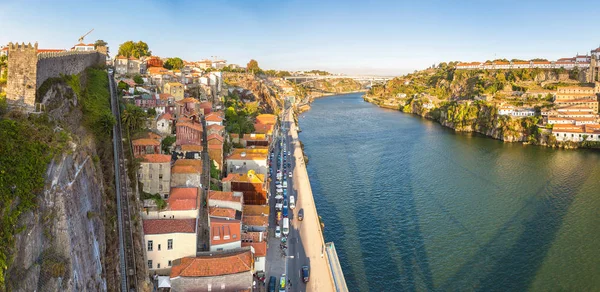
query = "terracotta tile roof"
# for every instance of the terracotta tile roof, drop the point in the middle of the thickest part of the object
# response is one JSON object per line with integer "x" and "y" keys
{"x": 266, "y": 119}
{"x": 234, "y": 135}
{"x": 521, "y": 63}
{"x": 592, "y": 128}
{"x": 146, "y": 142}
{"x": 242, "y": 177}
{"x": 213, "y": 117}
{"x": 215, "y": 146}
{"x": 260, "y": 248}
{"x": 215, "y": 127}
{"x": 174, "y": 84}
{"x": 560, "y": 127}
{"x": 206, "y": 104}
{"x": 163, "y": 226}
{"x": 221, "y": 212}
{"x": 48, "y": 50}
{"x": 156, "y": 158}
{"x": 164, "y": 96}
{"x": 256, "y": 210}
{"x": 224, "y": 196}
{"x": 210, "y": 266}
{"x": 154, "y": 136}
{"x": 215, "y": 136}
{"x": 187, "y": 166}
{"x": 255, "y": 220}
{"x": 183, "y": 199}
{"x": 187, "y": 100}
{"x": 191, "y": 148}
{"x": 156, "y": 70}
{"x": 166, "y": 116}
{"x": 190, "y": 125}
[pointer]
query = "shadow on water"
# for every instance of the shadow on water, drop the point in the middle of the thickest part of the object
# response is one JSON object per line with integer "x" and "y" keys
{"x": 401, "y": 218}
{"x": 494, "y": 267}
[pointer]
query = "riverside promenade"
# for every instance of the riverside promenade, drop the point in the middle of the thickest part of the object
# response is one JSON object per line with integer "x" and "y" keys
{"x": 311, "y": 235}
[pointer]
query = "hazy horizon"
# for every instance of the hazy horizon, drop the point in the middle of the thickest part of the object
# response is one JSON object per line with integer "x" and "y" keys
{"x": 351, "y": 37}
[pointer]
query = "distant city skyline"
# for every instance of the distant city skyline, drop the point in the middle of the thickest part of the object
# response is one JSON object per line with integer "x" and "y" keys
{"x": 351, "y": 37}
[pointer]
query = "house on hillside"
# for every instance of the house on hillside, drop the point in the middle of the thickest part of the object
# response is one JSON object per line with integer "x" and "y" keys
{"x": 155, "y": 173}
{"x": 166, "y": 240}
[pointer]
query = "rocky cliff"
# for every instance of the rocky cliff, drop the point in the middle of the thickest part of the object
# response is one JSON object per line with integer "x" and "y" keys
{"x": 261, "y": 89}
{"x": 68, "y": 239}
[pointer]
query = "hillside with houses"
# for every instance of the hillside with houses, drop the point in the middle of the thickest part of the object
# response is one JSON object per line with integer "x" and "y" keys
{"x": 539, "y": 105}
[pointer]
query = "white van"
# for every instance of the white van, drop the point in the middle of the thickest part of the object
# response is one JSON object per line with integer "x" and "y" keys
{"x": 286, "y": 226}
{"x": 285, "y": 183}
{"x": 292, "y": 202}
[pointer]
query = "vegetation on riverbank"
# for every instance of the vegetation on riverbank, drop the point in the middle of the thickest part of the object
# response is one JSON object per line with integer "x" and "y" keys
{"x": 468, "y": 100}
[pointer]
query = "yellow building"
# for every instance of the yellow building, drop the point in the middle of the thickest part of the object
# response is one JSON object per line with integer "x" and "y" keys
{"x": 175, "y": 89}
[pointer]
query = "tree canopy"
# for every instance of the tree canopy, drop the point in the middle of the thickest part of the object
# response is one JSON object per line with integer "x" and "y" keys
{"x": 100, "y": 43}
{"x": 132, "y": 49}
{"x": 253, "y": 66}
{"x": 173, "y": 63}
{"x": 138, "y": 79}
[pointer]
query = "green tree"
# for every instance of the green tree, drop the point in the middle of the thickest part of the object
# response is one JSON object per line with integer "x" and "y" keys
{"x": 166, "y": 143}
{"x": 214, "y": 171}
{"x": 173, "y": 63}
{"x": 151, "y": 112}
{"x": 133, "y": 117}
{"x": 252, "y": 66}
{"x": 138, "y": 79}
{"x": 100, "y": 43}
{"x": 122, "y": 86}
{"x": 133, "y": 49}
{"x": 106, "y": 121}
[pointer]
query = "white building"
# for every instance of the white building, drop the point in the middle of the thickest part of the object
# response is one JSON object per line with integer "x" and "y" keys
{"x": 164, "y": 124}
{"x": 243, "y": 162}
{"x": 168, "y": 240}
{"x": 83, "y": 47}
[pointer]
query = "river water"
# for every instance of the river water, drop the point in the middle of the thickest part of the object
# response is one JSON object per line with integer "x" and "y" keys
{"x": 413, "y": 206}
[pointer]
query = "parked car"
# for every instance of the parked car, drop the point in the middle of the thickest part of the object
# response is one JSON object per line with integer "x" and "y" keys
{"x": 290, "y": 175}
{"x": 282, "y": 283}
{"x": 304, "y": 272}
{"x": 277, "y": 232}
{"x": 301, "y": 215}
{"x": 278, "y": 215}
{"x": 272, "y": 283}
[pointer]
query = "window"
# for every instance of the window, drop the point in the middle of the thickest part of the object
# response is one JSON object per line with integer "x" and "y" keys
{"x": 149, "y": 264}
{"x": 160, "y": 176}
{"x": 170, "y": 244}
{"x": 219, "y": 249}
{"x": 160, "y": 188}
{"x": 169, "y": 264}
{"x": 150, "y": 175}
{"x": 158, "y": 266}
{"x": 158, "y": 247}
{"x": 149, "y": 245}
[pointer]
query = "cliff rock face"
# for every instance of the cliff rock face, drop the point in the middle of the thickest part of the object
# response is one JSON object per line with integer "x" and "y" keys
{"x": 480, "y": 118}
{"x": 63, "y": 246}
{"x": 259, "y": 88}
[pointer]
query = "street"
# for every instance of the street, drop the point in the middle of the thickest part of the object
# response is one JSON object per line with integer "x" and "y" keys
{"x": 298, "y": 186}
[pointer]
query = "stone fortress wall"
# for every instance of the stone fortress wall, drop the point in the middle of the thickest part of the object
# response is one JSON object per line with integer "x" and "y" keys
{"x": 27, "y": 70}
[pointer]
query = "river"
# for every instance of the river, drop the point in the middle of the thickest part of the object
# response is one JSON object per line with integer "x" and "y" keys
{"x": 414, "y": 206}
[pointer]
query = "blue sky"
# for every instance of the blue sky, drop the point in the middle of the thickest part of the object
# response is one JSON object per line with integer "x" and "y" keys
{"x": 368, "y": 37}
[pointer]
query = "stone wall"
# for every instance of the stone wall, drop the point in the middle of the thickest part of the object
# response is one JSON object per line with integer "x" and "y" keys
{"x": 22, "y": 72}
{"x": 27, "y": 70}
{"x": 67, "y": 63}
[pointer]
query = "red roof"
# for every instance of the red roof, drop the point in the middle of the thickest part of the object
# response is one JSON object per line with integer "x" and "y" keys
{"x": 187, "y": 166}
{"x": 145, "y": 142}
{"x": 163, "y": 226}
{"x": 224, "y": 196}
{"x": 260, "y": 248}
{"x": 215, "y": 127}
{"x": 183, "y": 199}
{"x": 216, "y": 265}
{"x": 156, "y": 158}
{"x": 166, "y": 116}
{"x": 215, "y": 136}
{"x": 213, "y": 117}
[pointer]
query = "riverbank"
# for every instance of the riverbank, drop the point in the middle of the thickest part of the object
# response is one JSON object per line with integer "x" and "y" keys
{"x": 483, "y": 118}
{"x": 311, "y": 234}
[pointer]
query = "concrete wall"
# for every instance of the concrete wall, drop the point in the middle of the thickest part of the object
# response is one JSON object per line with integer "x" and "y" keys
{"x": 232, "y": 282}
{"x": 260, "y": 263}
{"x": 169, "y": 214}
{"x": 225, "y": 204}
{"x": 226, "y": 246}
{"x": 186, "y": 180}
{"x": 150, "y": 177}
{"x": 184, "y": 245}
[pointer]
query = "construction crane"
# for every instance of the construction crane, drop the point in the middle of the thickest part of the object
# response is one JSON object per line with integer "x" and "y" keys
{"x": 83, "y": 36}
